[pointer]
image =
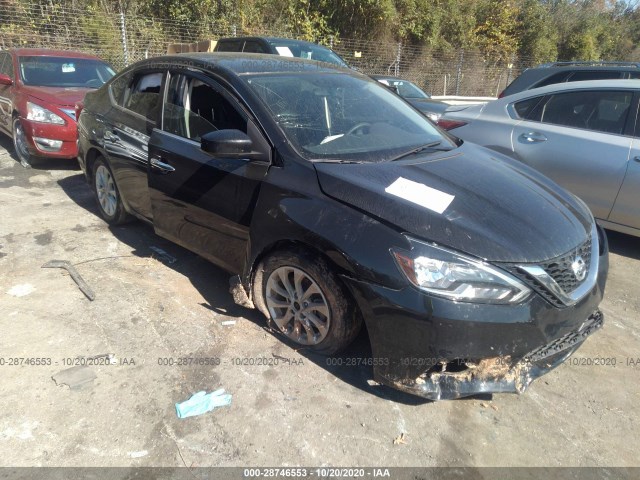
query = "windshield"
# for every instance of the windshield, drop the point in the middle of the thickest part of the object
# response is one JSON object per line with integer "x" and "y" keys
{"x": 64, "y": 72}
{"x": 308, "y": 51}
{"x": 405, "y": 89}
{"x": 334, "y": 116}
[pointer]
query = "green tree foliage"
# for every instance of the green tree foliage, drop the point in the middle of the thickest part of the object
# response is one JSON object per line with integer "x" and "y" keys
{"x": 539, "y": 30}
{"x": 538, "y": 39}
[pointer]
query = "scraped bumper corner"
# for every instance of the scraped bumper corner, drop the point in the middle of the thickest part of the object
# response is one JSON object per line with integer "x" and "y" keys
{"x": 495, "y": 374}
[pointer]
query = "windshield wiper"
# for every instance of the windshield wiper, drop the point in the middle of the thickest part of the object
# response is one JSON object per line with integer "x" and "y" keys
{"x": 421, "y": 148}
{"x": 334, "y": 160}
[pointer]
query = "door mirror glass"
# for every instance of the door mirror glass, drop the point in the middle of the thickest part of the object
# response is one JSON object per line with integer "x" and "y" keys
{"x": 227, "y": 144}
{"x": 5, "y": 80}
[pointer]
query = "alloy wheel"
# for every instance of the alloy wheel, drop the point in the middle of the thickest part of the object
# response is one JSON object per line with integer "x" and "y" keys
{"x": 106, "y": 191}
{"x": 297, "y": 305}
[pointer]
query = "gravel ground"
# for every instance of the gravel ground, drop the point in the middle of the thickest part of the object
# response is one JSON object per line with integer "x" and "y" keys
{"x": 288, "y": 408}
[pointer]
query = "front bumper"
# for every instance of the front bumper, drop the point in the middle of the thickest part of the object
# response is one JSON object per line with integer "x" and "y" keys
{"x": 66, "y": 133}
{"x": 441, "y": 349}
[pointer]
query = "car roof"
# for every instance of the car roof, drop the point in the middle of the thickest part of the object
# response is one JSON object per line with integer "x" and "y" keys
{"x": 47, "y": 52}
{"x": 587, "y": 66}
{"x": 236, "y": 63}
{"x": 568, "y": 86}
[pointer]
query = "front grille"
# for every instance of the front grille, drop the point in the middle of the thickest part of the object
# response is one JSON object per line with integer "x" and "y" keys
{"x": 537, "y": 286}
{"x": 560, "y": 268}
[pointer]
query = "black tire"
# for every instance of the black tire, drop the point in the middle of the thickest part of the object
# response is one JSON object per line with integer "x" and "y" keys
{"x": 107, "y": 194}
{"x": 20, "y": 144}
{"x": 344, "y": 319}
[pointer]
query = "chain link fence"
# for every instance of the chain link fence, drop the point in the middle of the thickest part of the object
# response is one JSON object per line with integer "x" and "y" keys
{"x": 123, "y": 39}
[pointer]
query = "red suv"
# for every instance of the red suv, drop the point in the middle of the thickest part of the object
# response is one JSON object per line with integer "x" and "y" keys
{"x": 38, "y": 93}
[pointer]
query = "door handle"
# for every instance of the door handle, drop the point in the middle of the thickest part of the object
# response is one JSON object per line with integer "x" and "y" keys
{"x": 533, "y": 137}
{"x": 637, "y": 159}
{"x": 157, "y": 163}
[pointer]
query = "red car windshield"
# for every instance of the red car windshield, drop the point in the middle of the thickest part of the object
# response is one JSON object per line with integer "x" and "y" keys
{"x": 63, "y": 72}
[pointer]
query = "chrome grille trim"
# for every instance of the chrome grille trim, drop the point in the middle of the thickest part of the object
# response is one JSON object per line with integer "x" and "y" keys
{"x": 568, "y": 298}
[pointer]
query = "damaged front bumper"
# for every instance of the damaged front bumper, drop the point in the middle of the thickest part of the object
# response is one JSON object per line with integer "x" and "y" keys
{"x": 440, "y": 349}
{"x": 498, "y": 374}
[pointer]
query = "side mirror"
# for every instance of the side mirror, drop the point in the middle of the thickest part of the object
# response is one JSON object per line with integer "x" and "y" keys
{"x": 5, "y": 80}
{"x": 227, "y": 144}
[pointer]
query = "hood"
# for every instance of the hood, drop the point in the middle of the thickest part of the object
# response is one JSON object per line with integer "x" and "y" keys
{"x": 57, "y": 95}
{"x": 428, "y": 105}
{"x": 501, "y": 210}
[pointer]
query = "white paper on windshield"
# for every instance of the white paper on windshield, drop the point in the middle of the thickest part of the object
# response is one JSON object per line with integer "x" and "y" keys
{"x": 420, "y": 194}
{"x": 68, "y": 68}
{"x": 284, "y": 51}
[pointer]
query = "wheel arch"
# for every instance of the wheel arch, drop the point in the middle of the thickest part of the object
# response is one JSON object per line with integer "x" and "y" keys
{"x": 90, "y": 159}
{"x": 293, "y": 245}
{"x": 289, "y": 245}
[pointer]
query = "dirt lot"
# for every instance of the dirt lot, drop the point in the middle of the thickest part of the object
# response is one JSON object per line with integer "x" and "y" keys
{"x": 297, "y": 410}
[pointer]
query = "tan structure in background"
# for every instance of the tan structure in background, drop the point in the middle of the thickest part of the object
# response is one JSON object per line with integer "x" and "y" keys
{"x": 202, "y": 46}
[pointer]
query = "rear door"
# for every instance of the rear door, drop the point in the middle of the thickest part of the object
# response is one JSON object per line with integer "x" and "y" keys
{"x": 580, "y": 139}
{"x": 626, "y": 210}
{"x": 199, "y": 201}
{"x": 127, "y": 128}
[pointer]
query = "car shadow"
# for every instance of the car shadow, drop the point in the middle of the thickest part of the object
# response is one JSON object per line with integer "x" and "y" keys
{"x": 623, "y": 244}
{"x": 352, "y": 366}
{"x": 40, "y": 163}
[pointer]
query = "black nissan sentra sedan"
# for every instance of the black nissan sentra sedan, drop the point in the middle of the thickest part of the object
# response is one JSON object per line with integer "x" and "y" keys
{"x": 333, "y": 202}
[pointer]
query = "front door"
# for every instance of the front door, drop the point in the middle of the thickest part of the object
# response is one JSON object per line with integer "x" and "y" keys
{"x": 199, "y": 201}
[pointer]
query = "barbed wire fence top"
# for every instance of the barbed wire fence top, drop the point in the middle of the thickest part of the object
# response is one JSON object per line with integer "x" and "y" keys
{"x": 124, "y": 39}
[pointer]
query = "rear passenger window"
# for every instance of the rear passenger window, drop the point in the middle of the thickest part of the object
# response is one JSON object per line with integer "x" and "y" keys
{"x": 143, "y": 95}
{"x": 593, "y": 75}
{"x": 602, "y": 111}
{"x": 229, "y": 46}
{"x": 553, "y": 79}
{"x": 525, "y": 109}
{"x": 634, "y": 74}
{"x": 251, "y": 46}
{"x": 117, "y": 88}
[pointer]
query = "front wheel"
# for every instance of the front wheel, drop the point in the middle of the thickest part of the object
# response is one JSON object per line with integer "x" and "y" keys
{"x": 20, "y": 144}
{"x": 306, "y": 301}
{"x": 107, "y": 194}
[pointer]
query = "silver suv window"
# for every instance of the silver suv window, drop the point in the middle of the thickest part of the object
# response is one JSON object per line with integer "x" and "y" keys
{"x": 601, "y": 111}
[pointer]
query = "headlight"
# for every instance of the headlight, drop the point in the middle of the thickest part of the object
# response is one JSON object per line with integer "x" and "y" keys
{"x": 455, "y": 276}
{"x": 40, "y": 114}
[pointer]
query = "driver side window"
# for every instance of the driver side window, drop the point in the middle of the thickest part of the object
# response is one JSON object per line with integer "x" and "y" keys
{"x": 194, "y": 108}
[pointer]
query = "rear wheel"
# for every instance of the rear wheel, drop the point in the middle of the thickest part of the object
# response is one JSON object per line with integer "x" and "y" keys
{"x": 306, "y": 301}
{"x": 20, "y": 144}
{"x": 107, "y": 194}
